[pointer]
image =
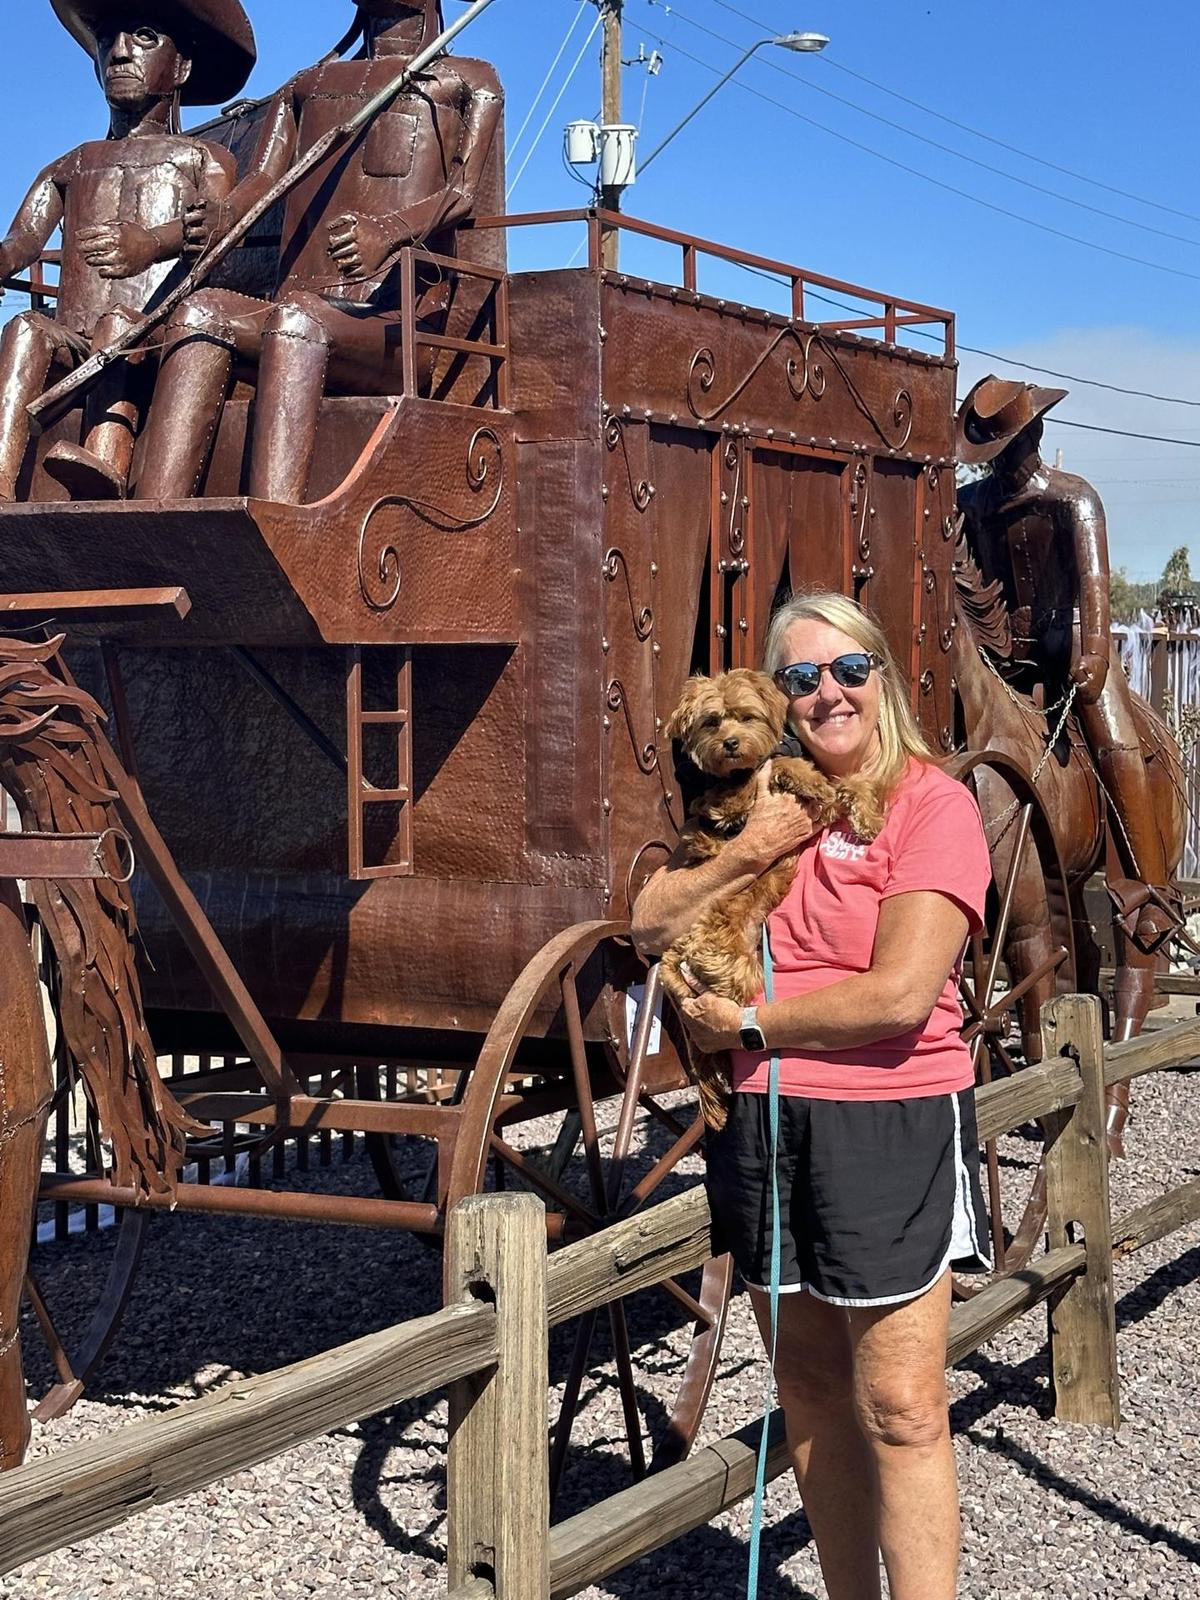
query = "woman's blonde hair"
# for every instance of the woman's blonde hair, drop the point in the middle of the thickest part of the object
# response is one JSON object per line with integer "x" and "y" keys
{"x": 900, "y": 740}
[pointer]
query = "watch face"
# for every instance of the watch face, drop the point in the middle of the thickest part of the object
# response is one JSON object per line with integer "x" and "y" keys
{"x": 752, "y": 1038}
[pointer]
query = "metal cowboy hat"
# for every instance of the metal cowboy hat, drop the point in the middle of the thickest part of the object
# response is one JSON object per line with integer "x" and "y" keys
{"x": 215, "y": 34}
{"x": 995, "y": 412}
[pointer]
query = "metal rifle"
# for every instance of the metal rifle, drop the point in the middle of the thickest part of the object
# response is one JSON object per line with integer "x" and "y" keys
{"x": 51, "y": 405}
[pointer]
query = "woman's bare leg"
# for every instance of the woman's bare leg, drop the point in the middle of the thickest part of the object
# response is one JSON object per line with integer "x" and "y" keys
{"x": 834, "y": 1465}
{"x": 900, "y": 1393}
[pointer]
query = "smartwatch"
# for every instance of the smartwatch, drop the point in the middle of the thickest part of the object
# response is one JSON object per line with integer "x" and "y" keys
{"x": 751, "y": 1034}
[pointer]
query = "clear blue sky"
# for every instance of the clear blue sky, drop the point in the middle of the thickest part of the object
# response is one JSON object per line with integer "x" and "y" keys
{"x": 1105, "y": 90}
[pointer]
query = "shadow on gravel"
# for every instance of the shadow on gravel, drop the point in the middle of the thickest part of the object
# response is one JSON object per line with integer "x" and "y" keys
{"x": 1028, "y": 1383}
{"x": 1098, "y": 1504}
{"x": 714, "y": 1562}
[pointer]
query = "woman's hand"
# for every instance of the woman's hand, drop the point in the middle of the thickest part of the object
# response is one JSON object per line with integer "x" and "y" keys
{"x": 713, "y": 1023}
{"x": 777, "y": 825}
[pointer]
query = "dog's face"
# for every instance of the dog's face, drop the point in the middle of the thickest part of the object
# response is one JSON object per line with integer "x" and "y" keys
{"x": 729, "y": 723}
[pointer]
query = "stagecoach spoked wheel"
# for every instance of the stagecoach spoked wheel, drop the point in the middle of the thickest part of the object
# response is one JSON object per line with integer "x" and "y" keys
{"x": 77, "y": 1338}
{"x": 1006, "y": 976}
{"x": 562, "y": 1101}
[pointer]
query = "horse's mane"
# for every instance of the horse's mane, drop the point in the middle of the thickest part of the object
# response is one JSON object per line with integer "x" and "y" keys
{"x": 52, "y": 764}
{"x": 981, "y": 604}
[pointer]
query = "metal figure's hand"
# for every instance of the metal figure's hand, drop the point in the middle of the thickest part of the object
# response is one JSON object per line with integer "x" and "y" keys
{"x": 713, "y": 1023}
{"x": 119, "y": 249}
{"x": 359, "y": 245}
{"x": 202, "y": 224}
{"x": 1088, "y": 675}
{"x": 777, "y": 825}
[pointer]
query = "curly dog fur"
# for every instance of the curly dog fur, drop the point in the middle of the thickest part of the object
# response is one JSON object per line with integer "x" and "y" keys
{"x": 729, "y": 726}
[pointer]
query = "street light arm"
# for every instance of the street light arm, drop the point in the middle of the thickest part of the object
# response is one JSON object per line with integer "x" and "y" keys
{"x": 700, "y": 104}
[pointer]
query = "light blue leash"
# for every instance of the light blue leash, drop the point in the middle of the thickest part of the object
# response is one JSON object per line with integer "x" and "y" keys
{"x": 760, "y": 1479}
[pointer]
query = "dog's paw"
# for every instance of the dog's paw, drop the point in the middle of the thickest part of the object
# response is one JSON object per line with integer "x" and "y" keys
{"x": 858, "y": 802}
{"x": 805, "y": 781}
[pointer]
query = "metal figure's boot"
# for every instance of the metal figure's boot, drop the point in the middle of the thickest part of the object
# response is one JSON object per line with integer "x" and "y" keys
{"x": 189, "y": 397}
{"x": 291, "y": 385}
{"x": 26, "y": 1086}
{"x": 99, "y": 468}
{"x": 1134, "y": 997}
{"x": 1146, "y": 904}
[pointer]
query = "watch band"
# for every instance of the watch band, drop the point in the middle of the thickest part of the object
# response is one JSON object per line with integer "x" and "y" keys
{"x": 751, "y": 1034}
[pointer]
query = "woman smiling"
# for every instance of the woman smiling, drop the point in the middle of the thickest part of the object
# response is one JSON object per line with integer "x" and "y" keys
{"x": 877, "y": 1158}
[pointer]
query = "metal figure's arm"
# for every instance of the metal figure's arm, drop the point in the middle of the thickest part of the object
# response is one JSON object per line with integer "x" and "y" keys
{"x": 360, "y": 244}
{"x": 123, "y": 249}
{"x": 1090, "y": 537}
{"x": 274, "y": 152}
{"x": 40, "y": 213}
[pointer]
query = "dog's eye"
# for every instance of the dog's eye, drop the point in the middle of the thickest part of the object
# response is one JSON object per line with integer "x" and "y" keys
{"x": 711, "y": 722}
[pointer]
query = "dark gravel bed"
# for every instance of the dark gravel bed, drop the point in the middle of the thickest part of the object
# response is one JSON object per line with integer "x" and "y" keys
{"x": 1049, "y": 1509}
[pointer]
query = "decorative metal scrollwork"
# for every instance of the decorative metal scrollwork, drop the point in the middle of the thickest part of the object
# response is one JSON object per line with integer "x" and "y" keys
{"x": 927, "y": 681}
{"x": 614, "y": 562}
{"x": 860, "y": 501}
{"x": 735, "y": 536}
{"x": 640, "y": 489}
{"x": 615, "y": 699}
{"x": 380, "y": 588}
{"x": 803, "y": 376}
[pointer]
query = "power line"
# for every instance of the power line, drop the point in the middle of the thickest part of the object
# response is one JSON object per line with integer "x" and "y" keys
{"x": 574, "y": 23}
{"x": 938, "y": 183}
{"x": 1062, "y": 422}
{"x": 990, "y": 355}
{"x": 537, "y": 138}
{"x": 1121, "y": 433}
{"x": 1071, "y": 377}
{"x": 977, "y": 133}
{"x": 936, "y": 144}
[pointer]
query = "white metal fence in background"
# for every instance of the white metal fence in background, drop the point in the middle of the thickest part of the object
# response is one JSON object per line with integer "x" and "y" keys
{"x": 1163, "y": 665}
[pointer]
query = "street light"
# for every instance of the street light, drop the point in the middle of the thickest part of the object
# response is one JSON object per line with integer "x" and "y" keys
{"x": 805, "y": 43}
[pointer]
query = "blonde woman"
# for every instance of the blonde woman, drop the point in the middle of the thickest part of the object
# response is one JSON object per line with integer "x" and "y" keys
{"x": 877, "y": 1159}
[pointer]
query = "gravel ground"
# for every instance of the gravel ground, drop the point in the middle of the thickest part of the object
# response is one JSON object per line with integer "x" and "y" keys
{"x": 1048, "y": 1509}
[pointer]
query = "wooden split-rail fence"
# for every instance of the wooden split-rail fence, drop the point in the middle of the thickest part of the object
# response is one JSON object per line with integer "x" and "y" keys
{"x": 489, "y": 1347}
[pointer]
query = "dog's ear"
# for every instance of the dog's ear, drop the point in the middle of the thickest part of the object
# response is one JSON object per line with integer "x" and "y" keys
{"x": 680, "y": 719}
{"x": 774, "y": 700}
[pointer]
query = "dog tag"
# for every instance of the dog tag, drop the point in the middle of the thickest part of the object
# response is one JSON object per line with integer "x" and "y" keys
{"x": 634, "y": 996}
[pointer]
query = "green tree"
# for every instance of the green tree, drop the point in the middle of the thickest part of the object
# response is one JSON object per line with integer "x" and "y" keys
{"x": 1127, "y": 598}
{"x": 1177, "y": 574}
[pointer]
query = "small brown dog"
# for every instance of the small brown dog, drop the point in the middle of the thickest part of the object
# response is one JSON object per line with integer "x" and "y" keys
{"x": 729, "y": 726}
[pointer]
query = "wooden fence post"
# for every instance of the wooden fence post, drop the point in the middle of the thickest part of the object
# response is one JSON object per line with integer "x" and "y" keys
{"x": 498, "y": 1483}
{"x": 1083, "y": 1332}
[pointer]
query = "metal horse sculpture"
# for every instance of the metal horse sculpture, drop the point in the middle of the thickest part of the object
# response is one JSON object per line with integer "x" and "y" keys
{"x": 1048, "y": 925}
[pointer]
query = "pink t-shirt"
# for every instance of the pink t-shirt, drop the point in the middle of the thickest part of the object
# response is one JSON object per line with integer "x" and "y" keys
{"x": 824, "y": 931}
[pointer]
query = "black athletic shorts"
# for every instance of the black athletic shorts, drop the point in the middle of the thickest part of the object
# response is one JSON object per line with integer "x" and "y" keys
{"x": 876, "y": 1197}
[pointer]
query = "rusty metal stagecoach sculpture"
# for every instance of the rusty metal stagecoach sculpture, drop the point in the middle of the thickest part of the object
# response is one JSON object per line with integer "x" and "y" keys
{"x": 350, "y": 608}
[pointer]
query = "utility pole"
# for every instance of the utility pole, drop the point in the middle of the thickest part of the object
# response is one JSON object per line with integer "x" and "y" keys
{"x": 610, "y": 102}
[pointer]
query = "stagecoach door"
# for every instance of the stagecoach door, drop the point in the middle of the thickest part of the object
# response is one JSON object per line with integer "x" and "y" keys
{"x": 781, "y": 522}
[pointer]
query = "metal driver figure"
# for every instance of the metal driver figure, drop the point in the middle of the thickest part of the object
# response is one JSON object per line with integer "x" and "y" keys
{"x": 132, "y": 207}
{"x": 334, "y": 324}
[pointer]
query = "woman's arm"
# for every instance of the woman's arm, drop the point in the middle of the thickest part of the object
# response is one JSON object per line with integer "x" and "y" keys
{"x": 676, "y": 897}
{"x": 919, "y": 938}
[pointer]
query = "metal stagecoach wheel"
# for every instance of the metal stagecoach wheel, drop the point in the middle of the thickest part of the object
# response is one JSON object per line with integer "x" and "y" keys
{"x": 1000, "y": 999}
{"x": 77, "y": 1351}
{"x": 598, "y": 1130}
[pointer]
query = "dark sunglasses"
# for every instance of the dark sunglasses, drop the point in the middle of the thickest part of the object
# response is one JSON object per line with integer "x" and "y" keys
{"x": 851, "y": 671}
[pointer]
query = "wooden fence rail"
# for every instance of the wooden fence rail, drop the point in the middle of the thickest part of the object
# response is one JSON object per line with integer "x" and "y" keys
{"x": 489, "y": 1346}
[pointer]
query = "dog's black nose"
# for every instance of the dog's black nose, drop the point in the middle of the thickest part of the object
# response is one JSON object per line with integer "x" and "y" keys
{"x": 731, "y": 745}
